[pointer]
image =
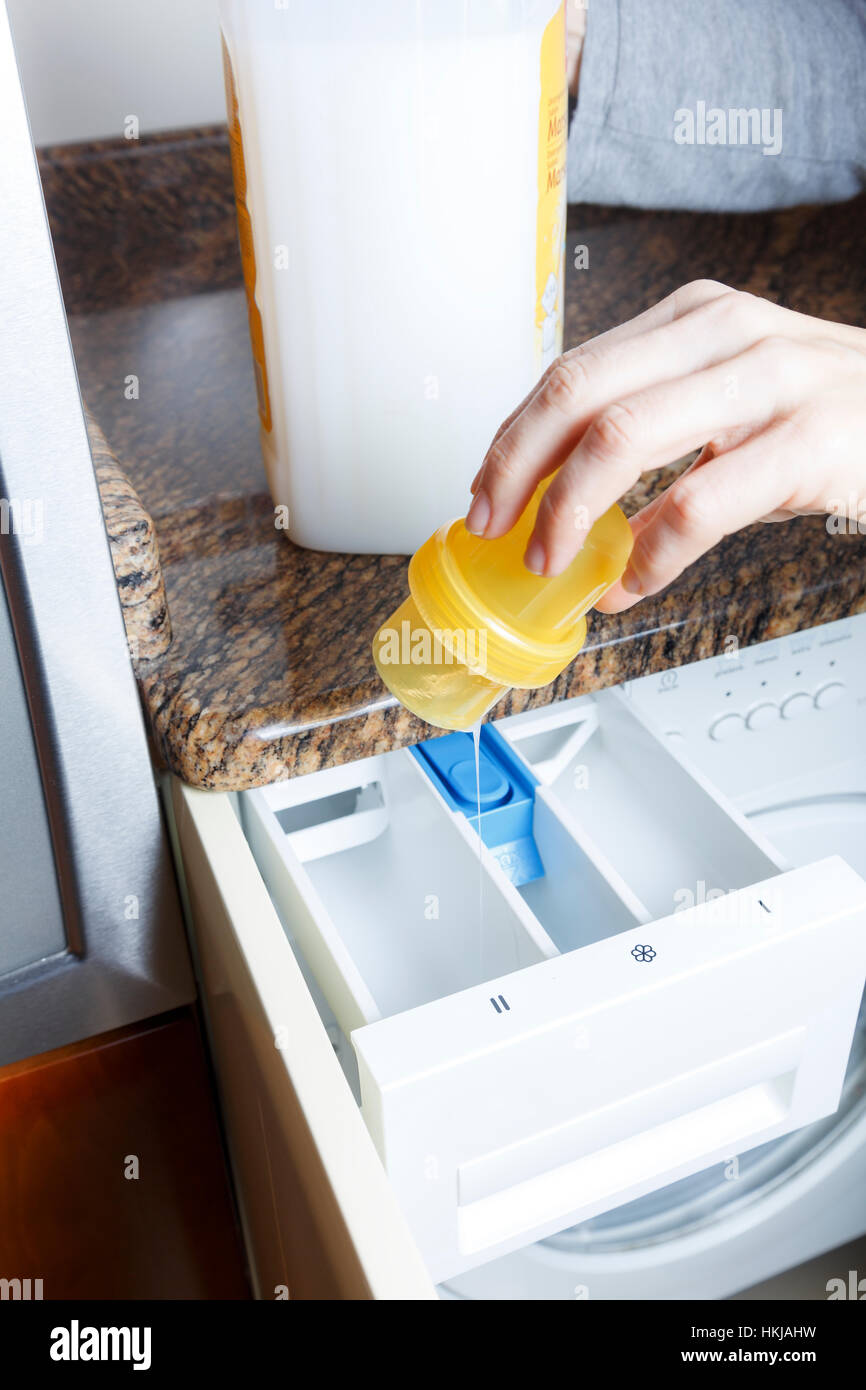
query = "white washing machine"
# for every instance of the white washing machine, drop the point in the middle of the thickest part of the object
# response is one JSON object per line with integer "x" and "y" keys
{"x": 614, "y": 1051}
{"x": 781, "y": 729}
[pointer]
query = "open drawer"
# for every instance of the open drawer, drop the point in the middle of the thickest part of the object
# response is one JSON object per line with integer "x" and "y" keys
{"x": 638, "y": 990}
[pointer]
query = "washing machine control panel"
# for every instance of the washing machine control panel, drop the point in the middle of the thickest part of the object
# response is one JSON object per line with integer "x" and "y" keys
{"x": 749, "y": 712}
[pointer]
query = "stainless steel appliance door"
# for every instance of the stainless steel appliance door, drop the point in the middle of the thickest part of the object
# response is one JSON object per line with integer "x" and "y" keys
{"x": 121, "y": 953}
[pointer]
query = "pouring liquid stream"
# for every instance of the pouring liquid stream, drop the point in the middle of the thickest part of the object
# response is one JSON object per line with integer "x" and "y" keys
{"x": 476, "y": 739}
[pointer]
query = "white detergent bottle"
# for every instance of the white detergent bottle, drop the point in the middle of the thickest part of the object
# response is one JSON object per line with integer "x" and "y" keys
{"x": 399, "y": 172}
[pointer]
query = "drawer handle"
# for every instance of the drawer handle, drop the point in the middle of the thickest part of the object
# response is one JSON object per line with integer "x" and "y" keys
{"x": 595, "y": 1177}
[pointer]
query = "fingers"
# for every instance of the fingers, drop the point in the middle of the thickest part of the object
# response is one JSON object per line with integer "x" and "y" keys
{"x": 674, "y": 306}
{"x": 693, "y": 328}
{"x": 707, "y": 502}
{"x": 651, "y": 427}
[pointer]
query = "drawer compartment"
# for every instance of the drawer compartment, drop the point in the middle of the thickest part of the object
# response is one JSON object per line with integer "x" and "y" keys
{"x": 652, "y": 991}
{"x": 654, "y": 819}
{"x": 389, "y": 896}
{"x": 380, "y": 889}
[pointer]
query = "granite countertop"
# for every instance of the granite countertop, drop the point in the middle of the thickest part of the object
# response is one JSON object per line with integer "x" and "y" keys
{"x": 268, "y": 671}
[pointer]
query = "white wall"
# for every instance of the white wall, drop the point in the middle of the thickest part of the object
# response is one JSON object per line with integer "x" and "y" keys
{"x": 87, "y": 64}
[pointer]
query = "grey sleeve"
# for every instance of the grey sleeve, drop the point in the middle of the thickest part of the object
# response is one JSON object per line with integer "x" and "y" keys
{"x": 720, "y": 105}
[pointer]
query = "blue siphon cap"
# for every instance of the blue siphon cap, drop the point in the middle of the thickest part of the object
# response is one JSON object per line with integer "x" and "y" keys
{"x": 507, "y": 795}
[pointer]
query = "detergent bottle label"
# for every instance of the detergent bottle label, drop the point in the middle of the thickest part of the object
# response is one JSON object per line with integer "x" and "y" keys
{"x": 550, "y": 230}
{"x": 245, "y": 237}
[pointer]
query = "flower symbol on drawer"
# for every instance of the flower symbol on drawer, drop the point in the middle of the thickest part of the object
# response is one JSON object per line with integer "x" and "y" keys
{"x": 643, "y": 953}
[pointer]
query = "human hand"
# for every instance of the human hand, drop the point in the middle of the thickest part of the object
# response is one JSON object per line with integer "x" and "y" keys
{"x": 776, "y": 401}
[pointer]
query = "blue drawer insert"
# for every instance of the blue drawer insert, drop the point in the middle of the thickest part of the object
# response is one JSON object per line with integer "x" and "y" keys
{"x": 507, "y": 795}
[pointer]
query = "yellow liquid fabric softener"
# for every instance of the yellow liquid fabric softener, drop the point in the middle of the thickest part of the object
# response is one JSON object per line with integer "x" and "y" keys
{"x": 478, "y": 623}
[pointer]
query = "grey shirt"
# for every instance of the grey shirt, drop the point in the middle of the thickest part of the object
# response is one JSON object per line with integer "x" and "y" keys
{"x": 720, "y": 105}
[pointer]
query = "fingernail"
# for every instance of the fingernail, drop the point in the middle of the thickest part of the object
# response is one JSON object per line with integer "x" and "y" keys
{"x": 534, "y": 559}
{"x": 479, "y": 513}
{"x": 630, "y": 581}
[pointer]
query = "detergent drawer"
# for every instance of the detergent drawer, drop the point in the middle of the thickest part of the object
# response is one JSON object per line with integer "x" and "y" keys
{"x": 618, "y": 986}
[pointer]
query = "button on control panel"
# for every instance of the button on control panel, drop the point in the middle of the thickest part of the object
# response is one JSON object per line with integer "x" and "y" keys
{"x": 728, "y": 726}
{"x": 763, "y": 715}
{"x": 829, "y": 694}
{"x": 767, "y": 713}
{"x": 797, "y": 705}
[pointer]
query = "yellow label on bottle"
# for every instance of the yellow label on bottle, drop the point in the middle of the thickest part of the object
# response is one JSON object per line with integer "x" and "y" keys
{"x": 245, "y": 237}
{"x": 550, "y": 227}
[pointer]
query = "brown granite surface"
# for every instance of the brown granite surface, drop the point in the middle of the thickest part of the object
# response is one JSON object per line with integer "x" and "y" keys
{"x": 134, "y": 554}
{"x": 269, "y": 672}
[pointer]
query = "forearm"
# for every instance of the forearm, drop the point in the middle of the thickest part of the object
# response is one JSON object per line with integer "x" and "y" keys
{"x": 666, "y": 91}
